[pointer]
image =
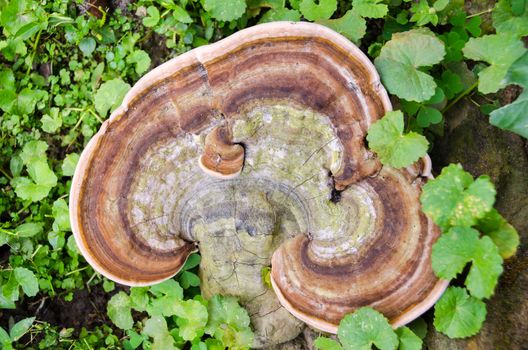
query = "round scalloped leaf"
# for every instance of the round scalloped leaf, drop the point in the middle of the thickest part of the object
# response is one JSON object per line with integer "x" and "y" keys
{"x": 459, "y": 315}
{"x": 386, "y": 138}
{"x": 503, "y": 234}
{"x": 454, "y": 199}
{"x": 400, "y": 59}
{"x": 408, "y": 340}
{"x": 225, "y": 10}
{"x": 364, "y": 328}
{"x": 453, "y": 250}
{"x": 500, "y": 51}
{"x": 485, "y": 270}
{"x": 313, "y": 11}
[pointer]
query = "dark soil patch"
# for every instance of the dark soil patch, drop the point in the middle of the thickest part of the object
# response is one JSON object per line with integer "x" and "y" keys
{"x": 87, "y": 309}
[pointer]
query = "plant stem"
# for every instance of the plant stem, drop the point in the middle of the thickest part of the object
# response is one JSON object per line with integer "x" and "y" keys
{"x": 5, "y": 174}
{"x": 460, "y": 96}
{"x": 479, "y": 13}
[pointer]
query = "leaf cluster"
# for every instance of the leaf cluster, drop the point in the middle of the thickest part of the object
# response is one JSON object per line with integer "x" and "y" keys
{"x": 472, "y": 233}
{"x": 365, "y": 328}
{"x": 174, "y": 320}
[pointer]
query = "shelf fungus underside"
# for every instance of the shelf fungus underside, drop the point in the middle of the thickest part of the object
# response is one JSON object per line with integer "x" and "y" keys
{"x": 252, "y": 151}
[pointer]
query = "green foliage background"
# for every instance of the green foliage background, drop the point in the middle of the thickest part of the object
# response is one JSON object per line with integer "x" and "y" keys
{"x": 64, "y": 66}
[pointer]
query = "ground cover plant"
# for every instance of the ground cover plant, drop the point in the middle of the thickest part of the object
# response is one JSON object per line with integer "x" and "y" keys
{"x": 64, "y": 66}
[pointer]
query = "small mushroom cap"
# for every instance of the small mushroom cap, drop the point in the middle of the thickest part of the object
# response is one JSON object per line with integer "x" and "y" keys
{"x": 222, "y": 158}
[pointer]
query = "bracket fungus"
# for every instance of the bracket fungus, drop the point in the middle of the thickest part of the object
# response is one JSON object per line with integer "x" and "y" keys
{"x": 252, "y": 151}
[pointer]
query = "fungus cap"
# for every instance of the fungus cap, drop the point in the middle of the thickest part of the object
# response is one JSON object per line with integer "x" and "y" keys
{"x": 240, "y": 149}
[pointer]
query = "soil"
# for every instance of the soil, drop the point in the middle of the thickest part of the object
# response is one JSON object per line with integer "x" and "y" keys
{"x": 87, "y": 309}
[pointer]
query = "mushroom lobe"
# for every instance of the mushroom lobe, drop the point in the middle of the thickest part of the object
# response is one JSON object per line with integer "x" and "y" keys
{"x": 300, "y": 99}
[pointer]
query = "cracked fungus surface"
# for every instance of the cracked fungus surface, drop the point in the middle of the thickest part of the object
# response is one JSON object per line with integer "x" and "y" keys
{"x": 284, "y": 190}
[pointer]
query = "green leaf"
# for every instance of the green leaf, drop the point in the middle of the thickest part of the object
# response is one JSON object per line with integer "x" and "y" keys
{"x": 423, "y": 14}
{"x": 118, "y": 310}
{"x": 419, "y": 327}
{"x": 109, "y": 95}
{"x": 192, "y": 261}
{"x": 33, "y": 151}
{"x": 192, "y": 318}
{"x": 139, "y": 298}
{"x": 180, "y": 14}
{"x": 313, "y": 11}
{"x": 61, "y": 215}
{"x": 29, "y": 229}
{"x": 501, "y": 233}
{"x": 408, "y": 340}
{"x": 168, "y": 294}
{"x": 7, "y": 80}
{"x": 401, "y": 58}
{"x": 140, "y": 59}
{"x": 323, "y": 343}
{"x": 156, "y": 327}
{"x": 225, "y": 10}
{"x": 281, "y": 14}
{"x": 454, "y": 199}
{"x": 364, "y": 328}
{"x": 427, "y": 116}
{"x": 87, "y": 46}
{"x": 386, "y": 138}
{"x": 513, "y": 117}
{"x": 485, "y": 270}
{"x": 229, "y": 322}
{"x": 453, "y": 250}
{"x": 188, "y": 279}
{"x": 51, "y": 122}
{"x": 153, "y": 17}
{"x": 20, "y": 328}
{"x": 505, "y": 21}
{"x": 27, "y": 280}
{"x": 370, "y": 8}
{"x": 459, "y": 315}
{"x": 350, "y": 25}
{"x": 69, "y": 164}
{"x": 500, "y": 51}
{"x": 4, "y": 337}
{"x": 265, "y": 274}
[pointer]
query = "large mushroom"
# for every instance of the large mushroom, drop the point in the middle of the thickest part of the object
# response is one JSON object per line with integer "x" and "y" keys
{"x": 249, "y": 148}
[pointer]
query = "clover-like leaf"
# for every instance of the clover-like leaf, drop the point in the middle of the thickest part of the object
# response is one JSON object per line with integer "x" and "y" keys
{"x": 323, "y": 343}
{"x": 501, "y": 233}
{"x": 394, "y": 148}
{"x": 192, "y": 318}
{"x": 69, "y": 164}
{"x": 408, "y": 340}
{"x": 20, "y": 328}
{"x": 27, "y": 280}
{"x": 364, "y": 328}
{"x": 513, "y": 117}
{"x": 140, "y": 59}
{"x": 500, "y": 51}
{"x": 454, "y": 199}
{"x": 153, "y": 17}
{"x": 167, "y": 296}
{"x": 400, "y": 61}
{"x": 225, "y": 10}
{"x": 485, "y": 269}
{"x": 505, "y": 21}
{"x": 156, "y": 327}
{"x": 281, "y": 14}
{"x": 370, "y": 8}
{"x": 109, "y": 95}
{"x": 453, "y": 250}
{"x": 459, "y": 315}
{"x": 118, "y": 310}
{"x": 350, "y": 25}
{"x": 229, "y": 322}
{"x": 61, "y": 215}
{"x": 317, "y": 11}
